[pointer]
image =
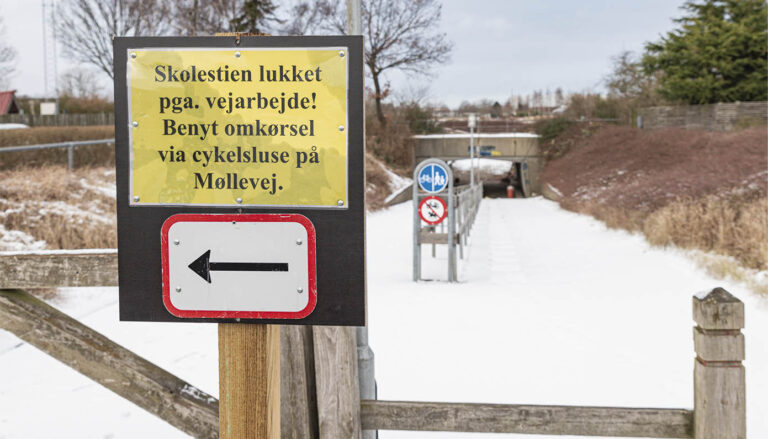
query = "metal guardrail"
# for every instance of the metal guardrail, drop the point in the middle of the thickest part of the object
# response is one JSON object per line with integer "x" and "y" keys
{"x": 69, "y": 145}
{"x": 467, "y": 204}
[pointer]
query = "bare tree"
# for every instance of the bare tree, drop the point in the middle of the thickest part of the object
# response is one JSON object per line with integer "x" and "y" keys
{"x": 399, "y": 34}
{"x": 305, "y": 17}
{"x": 79, "y": 83}
{"x": 628, "y": 80}
{"x": 86, "y": 27}
{"x": 207, "y": 17}
{"x": 7, "y": 60}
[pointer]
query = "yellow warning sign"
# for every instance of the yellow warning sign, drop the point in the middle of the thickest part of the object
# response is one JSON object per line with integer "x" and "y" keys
{"x": 258, "y": 127}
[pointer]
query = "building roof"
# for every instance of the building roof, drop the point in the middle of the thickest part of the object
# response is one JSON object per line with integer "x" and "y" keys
{"x": 476, "y": 135}
{"x": 8, "y": 102}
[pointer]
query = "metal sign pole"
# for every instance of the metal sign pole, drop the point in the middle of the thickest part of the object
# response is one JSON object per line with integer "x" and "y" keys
{"x": 472, "y": 123}
{"x": 365, "y": 358}
{"x": 451, "y": 232}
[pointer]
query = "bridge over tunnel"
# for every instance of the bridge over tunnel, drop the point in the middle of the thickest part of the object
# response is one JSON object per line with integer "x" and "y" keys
{"x": 502, "y": 159}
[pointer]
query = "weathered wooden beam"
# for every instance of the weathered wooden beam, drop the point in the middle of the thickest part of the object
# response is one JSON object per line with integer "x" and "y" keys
{"x": 338, "y": 392}
{"x": 58, "y": 268}
{"x": 109, "y": 364}
{"x": 527, "y": 419}
{"x": 298, "y": 405}
{"x": 719, "y": 386}
{"x": 436, "y": 238}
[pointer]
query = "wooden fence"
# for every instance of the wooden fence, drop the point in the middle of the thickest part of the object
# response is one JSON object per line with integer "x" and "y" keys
{"x": 319, "y": 385}
{"x": 716, "y": 117}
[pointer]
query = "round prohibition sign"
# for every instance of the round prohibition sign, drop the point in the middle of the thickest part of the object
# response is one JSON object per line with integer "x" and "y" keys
{"x": 433, "y": 210}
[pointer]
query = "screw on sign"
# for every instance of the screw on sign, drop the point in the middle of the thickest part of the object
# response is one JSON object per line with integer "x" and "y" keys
{"x": 433, "y": 178}
{"x": 433, "y": 210}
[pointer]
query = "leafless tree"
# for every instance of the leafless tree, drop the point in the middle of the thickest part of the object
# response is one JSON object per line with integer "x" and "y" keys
{"x": 628, "y": 80}
{"x": 79, "y": 82}
{"x": 399, "y": 34}
{"x": 207, "y": 17}
{"x": 86, "y": 27}
{"x": 7, "y": 60}
{"x": 305, "y": 17}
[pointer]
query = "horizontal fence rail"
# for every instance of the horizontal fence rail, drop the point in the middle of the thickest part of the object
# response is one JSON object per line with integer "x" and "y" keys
{"x": 170, "y": 398}
{"x": 63, "y": 119}
{"x": 527, "y": 419}
{"x": 69, "y": 145}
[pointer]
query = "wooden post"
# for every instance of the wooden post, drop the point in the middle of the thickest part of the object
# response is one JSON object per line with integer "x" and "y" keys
{"x": 718, "y": 377}
{"x": 338, "y": 392}
{"x": 298, "y": 400}
{"x": 249, "y": 373}
{"x": 249, "y": 381}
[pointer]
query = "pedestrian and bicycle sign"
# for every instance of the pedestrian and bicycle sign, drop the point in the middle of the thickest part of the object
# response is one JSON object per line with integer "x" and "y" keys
{"x": 433, "y": 178}
{"x": 433, "y": 210}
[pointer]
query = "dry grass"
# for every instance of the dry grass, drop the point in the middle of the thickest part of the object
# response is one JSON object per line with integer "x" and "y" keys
{"x": 735, "y": 226}
{"x": 726, "y": 267}
{"x": 84, "y": 156}
{"x": 64, "y": 209}
{"x": 377, "y": 183}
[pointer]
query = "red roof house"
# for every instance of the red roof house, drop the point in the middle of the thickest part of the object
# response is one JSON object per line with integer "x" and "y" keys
{"x": 8, "y": 103}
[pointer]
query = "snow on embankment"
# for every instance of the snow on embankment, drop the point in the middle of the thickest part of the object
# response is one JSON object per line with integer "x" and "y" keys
{"x": 381, "y": 183}
{"x": 694, "y": 189}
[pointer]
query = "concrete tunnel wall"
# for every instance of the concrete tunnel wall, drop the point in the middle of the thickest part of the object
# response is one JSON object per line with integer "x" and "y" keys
{"x": 515, "y": 147}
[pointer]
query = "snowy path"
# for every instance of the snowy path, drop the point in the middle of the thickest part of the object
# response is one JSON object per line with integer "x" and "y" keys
{"x": 552, "y": 308}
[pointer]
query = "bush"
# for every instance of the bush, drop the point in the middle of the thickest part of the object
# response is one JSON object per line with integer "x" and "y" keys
{"x": 594, "y": 106}
{"x": 551, "y": 128}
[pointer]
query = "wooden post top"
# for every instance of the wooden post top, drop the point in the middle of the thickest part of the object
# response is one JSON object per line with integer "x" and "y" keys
{"x": 719, "y": 310}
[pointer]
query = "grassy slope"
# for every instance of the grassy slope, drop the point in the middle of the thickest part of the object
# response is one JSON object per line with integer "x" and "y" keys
{"x": 693, "y": 189}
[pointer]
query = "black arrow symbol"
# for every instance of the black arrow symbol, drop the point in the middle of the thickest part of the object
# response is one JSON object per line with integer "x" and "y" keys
{"x": 203, "y": 266}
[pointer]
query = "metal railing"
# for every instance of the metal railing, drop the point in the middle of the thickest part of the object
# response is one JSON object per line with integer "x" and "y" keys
{"x": 467, "y": 204}
{"x": 69, "y": 145}
{"x": 463, "y": 203}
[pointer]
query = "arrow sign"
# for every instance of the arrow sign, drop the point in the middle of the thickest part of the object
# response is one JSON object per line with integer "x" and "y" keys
{"x": 270, "y": 260}
{"x": 203, "y": 266}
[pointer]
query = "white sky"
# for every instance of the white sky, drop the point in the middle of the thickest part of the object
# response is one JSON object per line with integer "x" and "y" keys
{"x": 501, "y": 46}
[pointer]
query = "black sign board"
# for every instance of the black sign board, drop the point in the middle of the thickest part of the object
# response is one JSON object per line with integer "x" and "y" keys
{"x": 238, "y": 126}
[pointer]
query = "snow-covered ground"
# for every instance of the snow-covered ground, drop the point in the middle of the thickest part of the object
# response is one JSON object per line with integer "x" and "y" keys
{"x": 552, "y": 308}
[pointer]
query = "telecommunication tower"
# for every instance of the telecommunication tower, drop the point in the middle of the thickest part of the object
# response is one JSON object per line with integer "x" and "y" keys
{"x": 49, "y": 49}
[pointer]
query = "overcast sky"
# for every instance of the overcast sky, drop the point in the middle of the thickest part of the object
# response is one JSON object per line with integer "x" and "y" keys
{"x": 500, "y": 46}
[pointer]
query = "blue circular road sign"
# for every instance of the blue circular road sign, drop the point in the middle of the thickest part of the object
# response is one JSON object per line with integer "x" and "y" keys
{"x": 433, "y": 178}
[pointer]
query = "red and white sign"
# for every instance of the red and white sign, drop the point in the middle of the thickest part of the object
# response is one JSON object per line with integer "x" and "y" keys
{"x": 433, "y": 210}
{"x": 253, "y": 266}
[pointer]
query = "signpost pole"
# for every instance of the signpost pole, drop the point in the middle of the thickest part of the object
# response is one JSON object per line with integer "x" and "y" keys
{"x": 365, "y": 358}
{"x": 249, "y": 379}
{"x": 472, "y": 123}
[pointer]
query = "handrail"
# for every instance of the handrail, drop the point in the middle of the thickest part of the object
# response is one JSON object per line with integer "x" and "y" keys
{"x": 56, "y": 145}
{"x": 69, "y": 145}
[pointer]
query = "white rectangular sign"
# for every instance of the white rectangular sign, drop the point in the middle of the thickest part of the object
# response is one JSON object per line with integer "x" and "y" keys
{"x": 239, "y": 266}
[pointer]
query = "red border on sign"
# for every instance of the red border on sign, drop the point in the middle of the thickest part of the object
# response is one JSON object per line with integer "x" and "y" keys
{"x": 445, "y": 210}
{"x": 267, "y": 218}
